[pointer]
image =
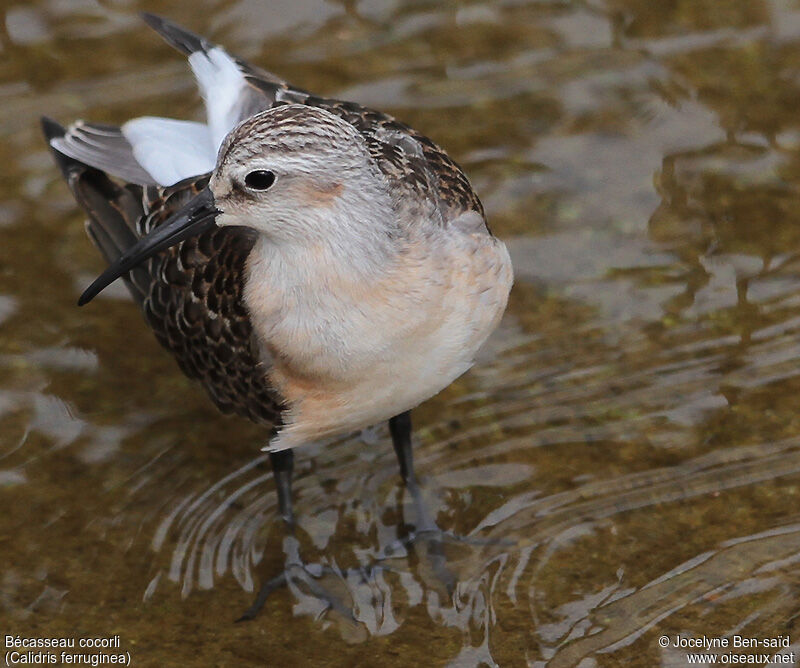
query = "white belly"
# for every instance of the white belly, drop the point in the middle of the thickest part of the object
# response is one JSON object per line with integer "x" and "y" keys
{"x": 365, "y": 352}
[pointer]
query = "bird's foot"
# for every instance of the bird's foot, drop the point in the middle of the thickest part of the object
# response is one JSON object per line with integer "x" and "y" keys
{"x": 432, "y": 545}
{"x": 318, "y": 588}
{"x": 429, "y": 546}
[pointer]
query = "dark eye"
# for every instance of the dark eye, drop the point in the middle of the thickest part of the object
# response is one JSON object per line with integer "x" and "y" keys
{"x": 260, "y": 179}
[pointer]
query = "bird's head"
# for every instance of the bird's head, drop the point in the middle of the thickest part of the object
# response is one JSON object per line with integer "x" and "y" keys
{"x": 298, "y": 175}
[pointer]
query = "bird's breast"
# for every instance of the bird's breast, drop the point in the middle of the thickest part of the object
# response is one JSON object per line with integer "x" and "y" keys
{"x": 347, "y": 352}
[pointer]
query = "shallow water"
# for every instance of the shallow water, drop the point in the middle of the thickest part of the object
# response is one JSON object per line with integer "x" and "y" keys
{"x": 625, "y": 457}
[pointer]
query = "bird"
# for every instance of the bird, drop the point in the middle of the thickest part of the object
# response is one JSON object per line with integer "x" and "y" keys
{"x": 318, "y": 266}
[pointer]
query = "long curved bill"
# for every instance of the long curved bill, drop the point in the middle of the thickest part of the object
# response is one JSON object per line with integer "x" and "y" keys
{"x": 195, "y": 217}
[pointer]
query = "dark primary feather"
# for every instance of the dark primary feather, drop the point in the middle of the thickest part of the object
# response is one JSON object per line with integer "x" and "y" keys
{"x": 183, "y": 40}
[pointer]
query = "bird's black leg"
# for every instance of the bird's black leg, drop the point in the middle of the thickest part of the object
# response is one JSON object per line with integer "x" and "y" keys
{"x": 295, "y": 570}
{"x": 400, "y": 429}
{"x": 282, "y": 468}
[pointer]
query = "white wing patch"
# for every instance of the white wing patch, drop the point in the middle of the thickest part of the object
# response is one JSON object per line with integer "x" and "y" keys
{"x": 171, "y": 150}
{"x": 221, "y": 84}
{"x": 168, "y": 150}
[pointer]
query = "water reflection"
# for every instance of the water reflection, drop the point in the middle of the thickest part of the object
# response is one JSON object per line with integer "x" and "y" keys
{"x": 623, "y": 460}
